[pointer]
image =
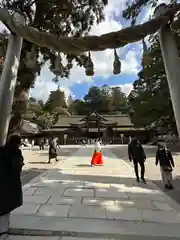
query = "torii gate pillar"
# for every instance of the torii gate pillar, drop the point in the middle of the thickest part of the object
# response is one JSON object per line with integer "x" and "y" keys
{"x": 171, "y": 62}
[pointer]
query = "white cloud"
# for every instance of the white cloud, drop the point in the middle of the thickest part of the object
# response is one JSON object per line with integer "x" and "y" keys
{"x": 126, "y": 88}
{"x": 103, "y": 61}
{"x": 45, "y": 85}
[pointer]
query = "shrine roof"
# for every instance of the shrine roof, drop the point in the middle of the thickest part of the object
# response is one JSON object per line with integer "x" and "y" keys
{"x": 67, "y": 121}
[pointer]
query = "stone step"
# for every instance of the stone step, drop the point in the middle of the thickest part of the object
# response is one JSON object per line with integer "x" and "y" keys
{"x": 18, "y": 237}
{"x": 92, "y": 228}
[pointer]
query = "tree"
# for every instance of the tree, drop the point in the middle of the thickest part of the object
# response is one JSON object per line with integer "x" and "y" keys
{"x": 150, "y": 98}
{"x": 45, "y": 120}
{"x": 78, "y": 107}
{"x": 61, "y": 18}
{"x": 34, "y": 110}
{"x": 49, "y": 24}
{"x": 3, "y": 47}
{"x": 104, "y": 100}
{"x": 55, "y": 100}
{"x": 90, "y": 43}
{"x": 93, "y": 99}
{"x": 46, "y": 114}
{"x": 157, "y": 97}
{"x": 118, "y": 100}
{"x": 110, "y": 101}
{"x": 135, "y": 7}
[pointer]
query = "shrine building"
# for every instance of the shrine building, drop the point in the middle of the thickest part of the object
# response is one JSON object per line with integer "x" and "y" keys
{"x": 115, "y": 129}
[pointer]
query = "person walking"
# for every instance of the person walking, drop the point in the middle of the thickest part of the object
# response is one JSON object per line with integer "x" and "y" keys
{"x": 166, "y": 162}
{"x": 52, "y": 152}
{"x": 137, "y": 155}
{"x": 32, "y": 143}
{"x": 11, "y": 163}
{"x": 97, "y": 155}
{"x": 41, "y": 144}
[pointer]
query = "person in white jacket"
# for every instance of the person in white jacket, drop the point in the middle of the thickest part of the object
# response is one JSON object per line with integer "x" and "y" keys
{"x": 97, "y": 155}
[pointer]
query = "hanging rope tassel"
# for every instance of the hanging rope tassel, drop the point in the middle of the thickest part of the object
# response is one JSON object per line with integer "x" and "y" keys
{"x": 146, "y": 59}
{"x": 116, "y": 64}
{"x": 89, "y": 67}
{"x": 58, "y": 68}
{"x": 31, "y": 57}
{"x": 69, "y": 64}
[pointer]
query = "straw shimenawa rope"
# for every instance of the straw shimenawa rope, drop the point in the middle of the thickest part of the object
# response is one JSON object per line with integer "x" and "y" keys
{"x": 79, "y": 45}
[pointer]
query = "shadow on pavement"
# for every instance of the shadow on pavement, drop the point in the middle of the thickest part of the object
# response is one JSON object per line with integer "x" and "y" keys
{"x": 42, "y": 162}
{"x": 60, "y": 151}
{"x": 175, "y": 193}
{"x": 29, "y": 174}
{"x": 133, "y": 201}
{"x": 59, "y": 176}
{"x": 83, "y": 165}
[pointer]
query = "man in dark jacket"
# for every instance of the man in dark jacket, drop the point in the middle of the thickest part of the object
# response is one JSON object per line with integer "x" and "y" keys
{"x": 11, "y": 163}
{"x": 137, "y": 154}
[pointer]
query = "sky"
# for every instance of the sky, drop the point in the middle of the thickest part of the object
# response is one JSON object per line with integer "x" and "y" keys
{"x": 78, "y": 83}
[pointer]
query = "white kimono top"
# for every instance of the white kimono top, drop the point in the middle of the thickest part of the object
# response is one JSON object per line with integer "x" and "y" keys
{"x": 97, "y": 146}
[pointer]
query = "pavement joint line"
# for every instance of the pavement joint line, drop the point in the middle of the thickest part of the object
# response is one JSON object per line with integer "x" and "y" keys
{"x": 43, "y": 174}
{"x": 34, "y": 192}
{"x": 63, "y": 192}
{"x": 40, "y": 205}
{"x": 174, "y": 204}
{"x": 47, "y": 200}
{"x": 69, "y": 211}
{"x": 3, "y": 237}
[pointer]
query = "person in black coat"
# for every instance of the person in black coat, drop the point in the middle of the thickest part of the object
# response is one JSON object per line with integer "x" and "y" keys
{"x": 11, "y": 163}
{"x": 52, "y": 152}
{"x": 166, "y": 162}
{"x": 137, "y": 155}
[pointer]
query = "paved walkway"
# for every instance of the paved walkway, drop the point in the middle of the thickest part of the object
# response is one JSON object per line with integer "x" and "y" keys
{"x": 36, "y": 161}
{"x": 74, "y": 199}
{"x": 153, "y": 171}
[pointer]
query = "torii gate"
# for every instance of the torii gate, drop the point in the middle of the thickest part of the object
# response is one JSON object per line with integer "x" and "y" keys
{"x": 163, "y": 15}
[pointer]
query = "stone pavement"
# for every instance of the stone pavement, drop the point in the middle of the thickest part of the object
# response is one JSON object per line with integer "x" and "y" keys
{"x": 153, "y": 171}
{"x": 74, "y": 199}
{"x": 36, "y": 161}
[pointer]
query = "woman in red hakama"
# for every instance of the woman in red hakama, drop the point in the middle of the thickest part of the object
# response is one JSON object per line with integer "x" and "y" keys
{"x": 97, "y": 155}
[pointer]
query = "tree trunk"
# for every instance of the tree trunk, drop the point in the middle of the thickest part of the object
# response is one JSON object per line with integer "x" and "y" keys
{"x": 19, "y": 109}
{"x": 26, "y": 79}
